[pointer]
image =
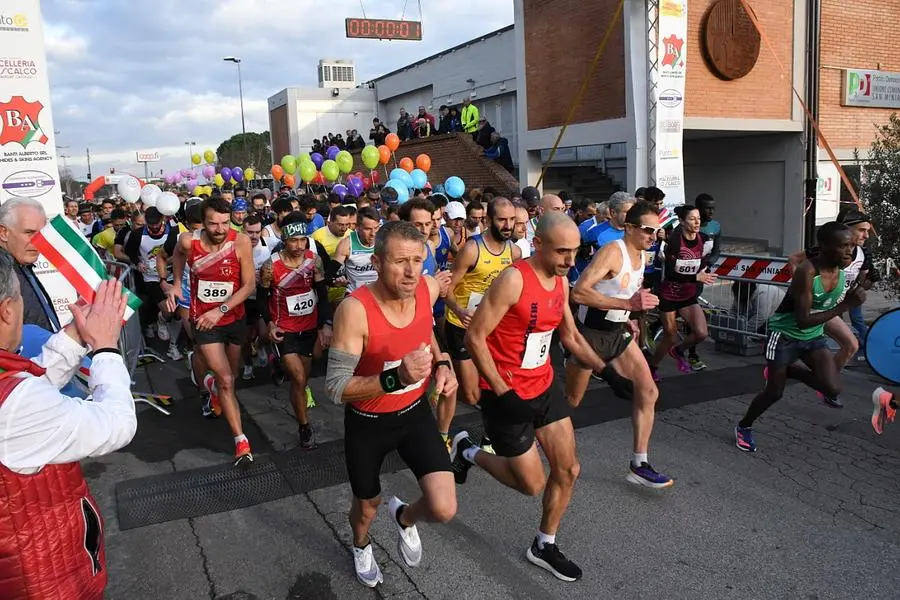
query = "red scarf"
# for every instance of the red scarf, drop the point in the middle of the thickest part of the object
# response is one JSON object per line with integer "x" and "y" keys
{"x": 10, "y": 364}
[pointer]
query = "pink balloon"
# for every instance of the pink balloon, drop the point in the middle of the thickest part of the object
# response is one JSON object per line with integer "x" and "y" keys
{"x": 177, "y": 177}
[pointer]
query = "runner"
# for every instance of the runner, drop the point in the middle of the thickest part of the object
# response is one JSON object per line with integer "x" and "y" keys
{"x": 222, "y": 278}
{"x": 382, "y": 358}
{"x": 294, "y": 280}
{"x": 456, "y": 219}
{"x": 476, "y": 266}
{"x": 258, "y": 332}
{"x": 520, "y": 230}
{"x": 476, "y": 219}
{"x": 238, "y": 213}
{"x": 355, "y": 252}
{"x": 281, "y": 208}
{"x": 712, "y": 229}
{"x": 608, "y": 291}
{"x": 509, "y": 339}
{"x": 337, "y": 228}
{"x": 797, "y": 329}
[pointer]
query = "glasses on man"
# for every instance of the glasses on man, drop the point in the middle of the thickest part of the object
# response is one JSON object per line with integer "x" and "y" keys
{"x": 648, "y": 229}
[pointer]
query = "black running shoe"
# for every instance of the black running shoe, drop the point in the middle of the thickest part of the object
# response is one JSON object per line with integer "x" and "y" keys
{"x": 278, "y": 375}
{"x": 306, "y": 437}
{"x": 459, "y": 465}
{"x": 549, "y": 557}
{"x": 207, "y": 406}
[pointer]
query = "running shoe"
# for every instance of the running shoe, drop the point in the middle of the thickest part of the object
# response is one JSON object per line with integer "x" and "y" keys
{"x": 262, "y": 357}
{"x": 696, "y": 363}
{"x": 743, "y": 439}
{"x": 883, "y": 412}
{"x": 174, "y": 353}
{"x": 190, "y": 367}
{"x": 247, "y": 373}
{"x": 486, "y": 444}
{"x": 162, "y": 328}
{"x": 459, "y": 465}
{"x": 408, "y": 543}
{"x": 306, "y": 437}
{"x": 367, "y": 570}
{"x": 150, "y": 332}
{"x": 550, "y": 558}
{"x": 278, "y": 375}
{"x": 310, "y": 401}
{"x": 209, "y": 382}
{"x": 683, "y": 365}
{"x": 832, "y": 401}
{"x": 242, "y": 453}
{"x": 655, "y": 374}
{"x": 207, "y": 406}
{"x": 647, "y": 476}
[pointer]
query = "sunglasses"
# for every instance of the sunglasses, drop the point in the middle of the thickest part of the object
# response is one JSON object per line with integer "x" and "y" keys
{"x": 648, "y": 229}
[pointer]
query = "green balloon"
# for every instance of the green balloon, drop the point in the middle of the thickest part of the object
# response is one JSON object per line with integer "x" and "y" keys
{"x": 289, "y": 164}
{"x": 303, "y": 158}
{"x": 330, "y": 170}
{"x": 370, "y": 157}
{"x": 307, "y": 171}
{"x": 344, "y": 161}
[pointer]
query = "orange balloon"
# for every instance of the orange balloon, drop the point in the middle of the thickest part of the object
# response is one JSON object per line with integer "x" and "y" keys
{"x": 392, "y": 141}
{"x": 289, "y": 181}
{"x": 384, "y": 154}
{"x": 407, "y": 164}
{"x": 277, "y": 172}
{"x": 423, "y": 161}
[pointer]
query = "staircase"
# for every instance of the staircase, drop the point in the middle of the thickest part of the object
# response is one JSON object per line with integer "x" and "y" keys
{"x": 451, "y": 154}
{"x": 580, "y": 182}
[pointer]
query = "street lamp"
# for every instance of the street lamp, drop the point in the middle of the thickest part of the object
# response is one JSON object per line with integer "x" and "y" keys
{"x": 65, "y": 172}
{"x": 190, "y": 146}
{"x": 237, "y": 61}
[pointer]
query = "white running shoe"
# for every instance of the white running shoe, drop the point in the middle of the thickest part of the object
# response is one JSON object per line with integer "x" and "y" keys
{"x": 247, "y": 375}
{"x": 408, "y": 543}
{"x": 367, "y": 570}
{"x": 174, "y": 353}
{"x": 162, "y": 328}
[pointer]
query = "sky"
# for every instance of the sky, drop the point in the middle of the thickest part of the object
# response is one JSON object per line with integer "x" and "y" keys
{"x": 149, "y": 74}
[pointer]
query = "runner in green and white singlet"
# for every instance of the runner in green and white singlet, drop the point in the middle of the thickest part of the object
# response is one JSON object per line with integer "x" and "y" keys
{"x": 355, "y": 251}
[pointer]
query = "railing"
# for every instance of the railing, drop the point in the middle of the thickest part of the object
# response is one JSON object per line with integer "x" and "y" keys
{"x": 131, "y": 340}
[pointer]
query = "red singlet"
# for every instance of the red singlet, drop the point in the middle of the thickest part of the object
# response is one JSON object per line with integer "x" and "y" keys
{"x": 520, "y": 344}
{"x": 388, "y": 345}
{"x": 293, "y": 304}
{"x": 215, "y": 277}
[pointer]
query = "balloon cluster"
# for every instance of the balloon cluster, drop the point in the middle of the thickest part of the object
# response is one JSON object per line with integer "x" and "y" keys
{"x": 131, "y": 190}
{"x": 190, "y": 178}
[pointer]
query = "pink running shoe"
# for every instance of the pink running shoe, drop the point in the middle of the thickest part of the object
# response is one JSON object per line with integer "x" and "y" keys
{"x": 681, "y": 360}
{"x": 882, "y": 411}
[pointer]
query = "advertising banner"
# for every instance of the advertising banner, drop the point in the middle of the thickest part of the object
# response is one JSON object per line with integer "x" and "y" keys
{"x": 28, "y": 166}
{"x": 872, "y": 89}
{"x": 670, "y": 84}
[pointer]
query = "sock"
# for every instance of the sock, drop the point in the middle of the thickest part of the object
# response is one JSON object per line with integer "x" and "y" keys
{"x": 638, "y": 458}
{"x": 174, "y": 327}
{"x": 445, "y": 435}
{"x": 543, "y": 538}
{"x": 240, "y": 438}
{"x": 469, "y": 453}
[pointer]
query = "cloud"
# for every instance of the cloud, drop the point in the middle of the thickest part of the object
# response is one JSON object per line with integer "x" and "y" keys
{"x": 63, "y": 45}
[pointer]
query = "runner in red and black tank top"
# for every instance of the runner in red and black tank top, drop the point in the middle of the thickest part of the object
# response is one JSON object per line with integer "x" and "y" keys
{"x": 520, "y": 344}
{"x": 215, "y": 276}
{"x": 293, "y": 305}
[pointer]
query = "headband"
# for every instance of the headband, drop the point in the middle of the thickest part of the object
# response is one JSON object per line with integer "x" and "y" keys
{"x": 293, "y": 230}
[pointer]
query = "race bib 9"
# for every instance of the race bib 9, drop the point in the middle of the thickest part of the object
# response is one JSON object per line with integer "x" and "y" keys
{"x": 687, "y": 266}
{"x": 300, "y": 305}
{"x": 537, "y": 349}
{"x": 474, "y": 300}
{"x": 212, "y": 292}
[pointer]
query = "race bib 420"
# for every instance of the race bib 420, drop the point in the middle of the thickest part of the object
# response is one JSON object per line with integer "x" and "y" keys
{"x": 300, "y": 305}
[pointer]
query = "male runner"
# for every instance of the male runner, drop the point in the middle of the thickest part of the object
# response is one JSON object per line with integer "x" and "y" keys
{"x": 222, "y": 278}
{"x": 252, "y": 226}
{"x": 355, "y": 251}
{"x": 520, "y": 231}
{"x": 337, "y": 228}
{"x": 238, "y": 213}
{"x": 383, "y": 355}
{"x": 608, "y": 290}
{"x": 281, "y": 208}
{"x": 797, "y": 329}
{"x": 509, "y": 339}
{"x": 294, "y": 280}
{"x": 476, "y": 266}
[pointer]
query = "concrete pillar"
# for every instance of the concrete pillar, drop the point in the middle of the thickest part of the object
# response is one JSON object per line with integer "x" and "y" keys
{"x": 529, "y": 167}
{"x": 636, "y": 108}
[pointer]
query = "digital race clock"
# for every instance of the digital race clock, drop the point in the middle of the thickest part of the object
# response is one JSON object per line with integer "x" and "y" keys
{"x": 383, "y": 29}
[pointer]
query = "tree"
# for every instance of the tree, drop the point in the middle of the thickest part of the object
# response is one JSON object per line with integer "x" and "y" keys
{"x": 880, "y": 187}
{"x": 246, "y": 150}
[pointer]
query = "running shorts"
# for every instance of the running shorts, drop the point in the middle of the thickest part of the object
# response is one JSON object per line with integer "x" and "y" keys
{"x": 673, "y": 305}
{"x": 608, "y": 344}
{"x": 514, "y": 439}
{"x": 454, "y": 338}
{"x": 233, "y": 333}
{"x": 297, "y": 343}
{"x": 783, "y": 350}
{"x": 154, "y": 292}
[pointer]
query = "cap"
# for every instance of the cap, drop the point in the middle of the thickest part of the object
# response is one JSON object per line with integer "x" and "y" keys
{"x": 85, "y": 207}
{"x": 855, "y": 217}
{"x": 531, "y": 194}
{"x": 239, "y": 205}
{"x": 390, "y": 195}
{"x": 455, "y": 210}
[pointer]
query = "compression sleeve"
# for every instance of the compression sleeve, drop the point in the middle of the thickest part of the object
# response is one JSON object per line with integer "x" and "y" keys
{"x": 341, "y": 366}
{"x": 324, "y": 312}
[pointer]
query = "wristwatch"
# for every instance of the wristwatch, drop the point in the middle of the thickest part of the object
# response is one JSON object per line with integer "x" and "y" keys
{"x": 223, "y": 308}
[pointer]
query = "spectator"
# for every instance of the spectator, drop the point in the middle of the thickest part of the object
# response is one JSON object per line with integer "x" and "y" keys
{"x": 499, "y": 151}
{"x": 339, "y": 142}
{"x": 469, "y": 116}
{"x": 424, "y": 114}
{"x": 444, "y": 122}
{"x": 423, "y": 128}
{"x": 378, "y": 133}
{"x": 483, "y": 134}
{"x": 317, "y": 146}
{"x": 455, "y": 124}
{"x": 404, "y": 126}
{"x": 355, "y": 142}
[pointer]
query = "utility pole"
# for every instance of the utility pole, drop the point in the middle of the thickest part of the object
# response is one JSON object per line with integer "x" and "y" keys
{"x": 813, "y": 36}
{"x": 88, "y": 150}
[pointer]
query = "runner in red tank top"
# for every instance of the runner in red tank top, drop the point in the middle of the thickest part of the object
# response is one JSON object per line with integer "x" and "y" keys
{"x": 294, "y": 281}
{"x": 222, "y": 277}
{"x": 383, "y": 356}
{"x": 509, "y": 339}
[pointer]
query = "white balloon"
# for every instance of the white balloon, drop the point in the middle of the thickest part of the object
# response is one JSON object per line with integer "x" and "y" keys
{"x": 167, "y": 203}
{"x": 129, "y": 188}
{"x": 149, "y": 194}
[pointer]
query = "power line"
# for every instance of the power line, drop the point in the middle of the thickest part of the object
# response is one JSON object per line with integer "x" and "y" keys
{"x": 363, "y": 8}
{"x": 403, "y": 14}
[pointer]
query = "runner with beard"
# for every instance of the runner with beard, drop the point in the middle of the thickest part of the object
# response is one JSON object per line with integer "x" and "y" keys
{"x": 222, "y": 278}
{"x": 252, "y": 227}
{"x": 281, "y": 208}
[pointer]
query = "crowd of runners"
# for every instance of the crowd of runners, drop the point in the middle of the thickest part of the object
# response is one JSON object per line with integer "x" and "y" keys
{"x": 435, "y": 301}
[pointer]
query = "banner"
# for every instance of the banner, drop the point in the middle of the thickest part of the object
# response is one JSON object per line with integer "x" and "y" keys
{"x": 670, "y": 83}
{"x": 28, "y": 165}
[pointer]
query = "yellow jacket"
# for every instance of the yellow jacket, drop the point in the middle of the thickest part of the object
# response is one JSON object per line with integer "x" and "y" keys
{"x": 469, "y": 118}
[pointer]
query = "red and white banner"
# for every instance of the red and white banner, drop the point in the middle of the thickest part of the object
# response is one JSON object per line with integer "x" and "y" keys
{"x": 670, "y": 85}
{"x": 776, "y": 270}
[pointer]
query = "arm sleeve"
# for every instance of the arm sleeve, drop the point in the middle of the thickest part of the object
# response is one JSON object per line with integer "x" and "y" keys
{"x": 61, "y": 357}
{"x": 324, "y": 308}
{"x": 42, "y": 426}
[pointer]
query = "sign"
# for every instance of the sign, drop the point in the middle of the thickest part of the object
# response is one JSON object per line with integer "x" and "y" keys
{"x": 28, "y": 165}
{"x": 670, "y": 83}
{"x": 383, "y": 29}
{"x": 872, "y": 89}
{"x": 147, "y": 156}
{"x": 828, "y": 192}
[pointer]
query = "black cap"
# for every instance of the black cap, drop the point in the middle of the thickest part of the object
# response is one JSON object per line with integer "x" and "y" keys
{"x": 855, "y": 217}
{"x": 152, "y": 216}
{"x": 389, "y": 195}
{"x": 531, "y": 194}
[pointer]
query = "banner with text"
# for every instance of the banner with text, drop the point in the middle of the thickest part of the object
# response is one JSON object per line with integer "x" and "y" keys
{"x": 28, "y": 166}
{"x": 670, "y": 84}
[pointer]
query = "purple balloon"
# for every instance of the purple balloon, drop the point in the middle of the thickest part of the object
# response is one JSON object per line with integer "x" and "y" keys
{"x": 177, "y": 177}
{"x": 191, "y": 184}
{"x": 170, "y": 179}
{"x": 237, "y": 173}
{"x": 209, "y": 171}
{"x": 332, "y": 152}
{"x": 195, "y": 173}
{"x": 356, "y": 186}
{"x": 340, "y": 189}
{"x": 226, "y": 173}
{"x": 317, "y": 159}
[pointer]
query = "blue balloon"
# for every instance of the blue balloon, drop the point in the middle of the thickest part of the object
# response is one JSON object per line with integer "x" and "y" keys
{"x": 401, "y": 175}
{"x": 419, "y": 179}
{"x": 454, "y": 187}
{"x": 401, "y": 188}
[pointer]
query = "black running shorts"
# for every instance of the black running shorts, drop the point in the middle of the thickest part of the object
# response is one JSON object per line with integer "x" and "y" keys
{"x": 233, "y": 333}
{"x": 455, "y": 338}
{"x": 514, "y": 439}
{"x": 608, "y": 344}
{"x": 298, "y": 343}
{"x": 370, "y": 437}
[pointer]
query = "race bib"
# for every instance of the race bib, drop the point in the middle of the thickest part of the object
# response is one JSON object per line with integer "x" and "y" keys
{"x": 300, "y": 305}
{"x": 687, "y": 266}
{"x": 474, "y": 300}
{"x": 390, "y": 364}
{"x": 537, "y": 349}
{"x": 213, "y": 292}
{"x": 617, "y": 316}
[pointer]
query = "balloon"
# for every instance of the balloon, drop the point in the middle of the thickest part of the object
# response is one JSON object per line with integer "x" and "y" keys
{"x": 423, "y": 161}
{"x": 402, "y": 190}
{"x": 317, "y": 159}
{"x": 454, "y": 187}
{"x": 407, "y": 164}
{"x": 289, "y": 181}
{"x": 151, "y": 200}
{"x": 185, "y": 172}
{"x": 319, "y": 179}
{"x": 307, "y": 171}
{"x": 170, "y": 179}
{"x": 370, "y": 157}
{"x": 198, "y": 190}
{"x": 220, "y": 181}
{"x": 401, "y": 175}
{"x": 419, "y": 179}
{"x": 209, "y": 171}
{"x": 177, "y": 177}
{"x": 167, "y": 204}
{"x": 195, "y": 158}
{"x": 129, "y": 188}
{"x": 332, "y": 152}
{"x": 149, "y": 193}
{"x": 192, "y": 183}
{"x": 225, "y": 173}
{"x": 340, "y": 189}
{"x": 249, "y": 174}
{"x": 209, "y": 156}
{"x": 375, "y": 176}
{"x": 330, "y": 170}
{"x": 277, "y": 172}
{"x": 384, "y": 154}
{"x": 289, "y": 164}
{"x": 344, "y": 161}
{"x": 392, "y": 141}
{"x": 237, "y": 174}
{"x": 355, "y": 186}
{"x": 195, "y": 174}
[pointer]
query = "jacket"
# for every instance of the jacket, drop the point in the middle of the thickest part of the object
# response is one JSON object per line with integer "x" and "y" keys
{"x": 469, "y": 118}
